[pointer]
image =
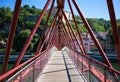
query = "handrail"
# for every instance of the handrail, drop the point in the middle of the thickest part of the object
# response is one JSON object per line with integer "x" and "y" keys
{"x": 21, "y": 65}
{"x": 112, "y": 69}
{"x": 100, "y": 74}
{"x": 94, "y": 60}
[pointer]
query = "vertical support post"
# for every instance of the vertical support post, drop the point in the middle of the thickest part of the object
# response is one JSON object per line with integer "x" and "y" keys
{"x": 89, "y": 62}
{"x": 92, "y": 34}
{"x": 11, "y": 34}
{"x": 114, "y": 27}
{"x": 32, "y": 34}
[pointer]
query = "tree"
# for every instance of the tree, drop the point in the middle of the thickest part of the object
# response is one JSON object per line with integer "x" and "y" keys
{"x": 5, "y": 14}
{"x": 26, "y": 7}
{"x": 23, "y": 11}
{"x": 3, "y": 35}
{"x": 21, "y": 38}
{"x": 33, "y": 7}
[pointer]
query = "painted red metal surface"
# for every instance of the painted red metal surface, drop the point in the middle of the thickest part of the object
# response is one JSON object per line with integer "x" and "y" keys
{"x": 92, "y": 34}
{"x": 32, "y": 34}
{"x": 60, "y": 37}
{"x": 87, "y": 66}
{"x": 52, "y": 36}
{"x": 11, "y": 34}
{"x": 114, "y": 27}
{"x": 50, "y": 29}
{"x": 60, "y": 4}
{"x": 70, "y": 37}
{"x": 21, "y": 65}
{"x": 70, "y": 29}
{"x": 80, "y": 37}
{"x": 45, "y": 26}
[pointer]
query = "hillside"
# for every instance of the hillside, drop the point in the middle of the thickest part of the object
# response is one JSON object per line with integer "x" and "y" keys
{"x": 27, "y": 18}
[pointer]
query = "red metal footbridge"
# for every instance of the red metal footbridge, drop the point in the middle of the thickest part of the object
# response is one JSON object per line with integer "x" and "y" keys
{"x": 60, "y": 57}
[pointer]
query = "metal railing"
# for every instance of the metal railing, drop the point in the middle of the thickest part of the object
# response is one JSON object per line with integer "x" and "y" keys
{"x": 93, "y": 70}
{"x": 31, "y": 72}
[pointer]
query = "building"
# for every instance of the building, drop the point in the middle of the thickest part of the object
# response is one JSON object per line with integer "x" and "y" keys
{"x": 86, "y": 41}
{"x": 68, "y": 14}
{"x": 109, "y": 44}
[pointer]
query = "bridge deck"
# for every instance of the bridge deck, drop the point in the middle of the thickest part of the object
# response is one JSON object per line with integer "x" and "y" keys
{"x": 60, "y": 68}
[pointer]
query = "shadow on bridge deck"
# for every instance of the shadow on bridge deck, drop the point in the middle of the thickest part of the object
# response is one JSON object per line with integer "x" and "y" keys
{"x": 60, "y": 68}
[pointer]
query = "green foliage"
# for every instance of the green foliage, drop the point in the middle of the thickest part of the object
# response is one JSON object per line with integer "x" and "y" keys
{"x": 3, "y": 35}
{"x": 30, "y": 24}
{"x": 110, "y": 31}
{"x": 98, "y": 28}
{"x": 26, "y": 21}
{"x": 98, "y": 25}
{"x": 5, "y": 14}
{"x": 21, "y": 38}
{"x": 23, "y": 11}
{"x": 80, "y": 26}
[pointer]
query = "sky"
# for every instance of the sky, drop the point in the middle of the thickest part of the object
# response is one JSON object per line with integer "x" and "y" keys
{"x": 90, "y": 8}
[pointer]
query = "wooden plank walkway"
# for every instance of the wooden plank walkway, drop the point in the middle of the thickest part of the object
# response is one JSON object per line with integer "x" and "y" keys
{"x": 60, "y": 68}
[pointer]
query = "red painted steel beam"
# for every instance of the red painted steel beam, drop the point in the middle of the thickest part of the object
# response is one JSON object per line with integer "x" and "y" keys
{"x": 70, "y": 27}
{"x": 114, "y": 27}
{"x": 67, "y": 38}
{"x": 82, "y": 44}
{"x": 70, "y": 37}
{"x": 11, "y": 34}
{"x": 59, "y": 32}
{"x": 59, "y": 37}
{"x": 12, "y": 71}
{"x": 51, "y": 27}
{"x": 70, "y": 43}
{"x": 60, "y": 4}
{"x": 62, "y": 37}
{"x": 45, "y": 26}
{"x": 52, "y": 36}
{"x": 64, "y": 34}
{"x": 32, "y": 34}
{"x": 55, "y": 40}
{"x": 92, "y": 34}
